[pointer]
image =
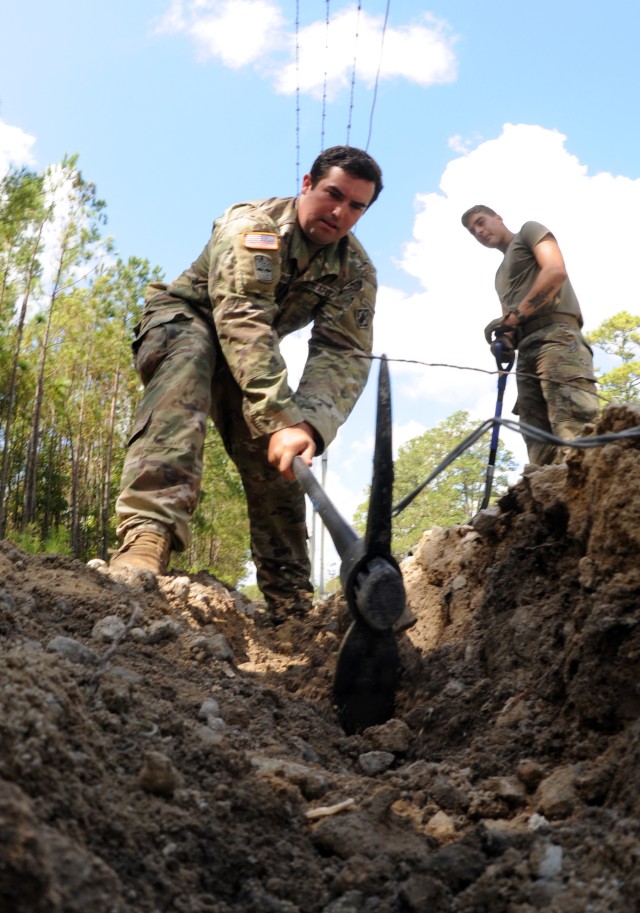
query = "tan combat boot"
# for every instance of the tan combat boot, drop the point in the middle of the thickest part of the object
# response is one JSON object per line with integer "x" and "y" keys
{"x": 144, "y": 548}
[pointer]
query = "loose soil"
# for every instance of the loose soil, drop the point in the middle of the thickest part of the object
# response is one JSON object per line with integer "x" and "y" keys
{"x": 163, "y": 748}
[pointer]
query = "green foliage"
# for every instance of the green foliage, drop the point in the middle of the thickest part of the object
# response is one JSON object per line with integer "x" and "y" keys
{"x": 455, "y": 495}
{"x": 333, "y": 586}
{"x": 30, "y": 540}
{"x": 68, "y": 388}
{"x": 57, "y": 542}
{"x": 619, "y": 337}
{"x": 252, "y": 592}
{"x": 22, "y": 210}
{"x": 22, "y": 216}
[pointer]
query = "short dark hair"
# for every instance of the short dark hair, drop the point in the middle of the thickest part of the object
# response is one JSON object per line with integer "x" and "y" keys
{"x": 355, "y": 162}
{"x": 466, "y": 216}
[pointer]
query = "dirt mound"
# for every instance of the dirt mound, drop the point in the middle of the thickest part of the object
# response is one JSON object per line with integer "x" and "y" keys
{"x": 162, "y": 748}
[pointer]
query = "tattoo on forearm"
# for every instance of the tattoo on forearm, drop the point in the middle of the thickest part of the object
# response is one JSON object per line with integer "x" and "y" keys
{"x": 542, "y": 297}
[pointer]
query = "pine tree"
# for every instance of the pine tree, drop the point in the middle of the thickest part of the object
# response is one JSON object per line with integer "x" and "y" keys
{"x": 619, "y": 338}
{"x": 78, "y": 217}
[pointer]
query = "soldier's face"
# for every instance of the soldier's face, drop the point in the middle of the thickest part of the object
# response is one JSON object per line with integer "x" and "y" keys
{"x": 329, "y": 210}
{"x": 487, "y": 229}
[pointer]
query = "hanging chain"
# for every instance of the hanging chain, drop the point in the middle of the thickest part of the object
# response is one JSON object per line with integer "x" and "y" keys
{"x": 297, "y": 188}
{"x": 324, "y": 87}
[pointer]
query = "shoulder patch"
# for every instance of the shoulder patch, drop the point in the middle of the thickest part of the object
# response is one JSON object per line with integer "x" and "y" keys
{"x": 261, "y": 240}
{"x": 263, "y": 268}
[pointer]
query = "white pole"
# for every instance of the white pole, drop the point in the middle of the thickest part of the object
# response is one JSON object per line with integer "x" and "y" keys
{"x": 312, "y": 544}
{"x": 324, "y": 460}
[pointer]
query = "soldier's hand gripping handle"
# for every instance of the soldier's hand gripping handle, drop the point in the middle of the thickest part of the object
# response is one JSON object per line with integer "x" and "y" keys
{"x": 497, "y": 327}
{"x": 284, "y": 445}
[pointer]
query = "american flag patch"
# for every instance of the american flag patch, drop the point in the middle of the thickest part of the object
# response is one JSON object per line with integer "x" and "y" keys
{"x": 261, "y": 240}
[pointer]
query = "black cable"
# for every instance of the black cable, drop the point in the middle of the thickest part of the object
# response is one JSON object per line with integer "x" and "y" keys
{"x": 489, "y": 371}
{"x": 594, "y": 440}
{"x": 442, "y": 465}
{"x": 582, "y": 443}
{"x": 375, "y": 88}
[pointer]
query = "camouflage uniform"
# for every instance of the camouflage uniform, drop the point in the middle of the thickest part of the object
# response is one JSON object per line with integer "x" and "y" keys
{"x": 207, "y": 345}
{"x": 556, "y": 383}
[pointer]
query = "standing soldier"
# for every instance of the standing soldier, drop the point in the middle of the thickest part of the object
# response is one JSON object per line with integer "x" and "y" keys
{"x": 541, "y": 317}
{"x": 208, "y": 345}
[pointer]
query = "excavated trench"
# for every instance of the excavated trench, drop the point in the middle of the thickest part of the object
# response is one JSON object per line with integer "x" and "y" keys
{"x": 163, "y": 748}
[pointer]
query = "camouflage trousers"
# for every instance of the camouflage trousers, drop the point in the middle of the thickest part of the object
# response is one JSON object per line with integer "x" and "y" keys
{"x": 556, "y": 388}
{"x": 186, "y": 380}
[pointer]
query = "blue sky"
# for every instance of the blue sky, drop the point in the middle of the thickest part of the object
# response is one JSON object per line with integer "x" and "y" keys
{"x": 178, "y": 108}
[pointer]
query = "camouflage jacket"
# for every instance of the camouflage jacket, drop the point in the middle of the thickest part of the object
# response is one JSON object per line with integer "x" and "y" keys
{"x": 256, "y": 282}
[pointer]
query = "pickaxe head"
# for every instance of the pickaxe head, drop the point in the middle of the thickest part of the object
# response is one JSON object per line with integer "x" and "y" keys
{"x": 368, "y": 667}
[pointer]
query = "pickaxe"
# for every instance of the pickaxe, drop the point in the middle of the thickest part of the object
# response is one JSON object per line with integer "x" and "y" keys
{"x": 368, "y": 666}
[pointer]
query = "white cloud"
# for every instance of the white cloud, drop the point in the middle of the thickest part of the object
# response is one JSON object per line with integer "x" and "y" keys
{"x": 295, "y": 349}
{"x": 441, "y": 354}
{"x": 15, "y": 147}
{"x": 420, "y": 53}
{"x": 406, "y": 432}
{"x": 238, "y": 32}
{"x": 255, "y": 33}
{"x": 172, "y": 21}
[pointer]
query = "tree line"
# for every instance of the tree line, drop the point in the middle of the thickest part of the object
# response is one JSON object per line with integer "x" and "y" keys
{"x": 68, "y": 391}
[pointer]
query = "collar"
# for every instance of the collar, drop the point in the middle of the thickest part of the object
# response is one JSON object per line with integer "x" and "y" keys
{"x": 303, "y": 253}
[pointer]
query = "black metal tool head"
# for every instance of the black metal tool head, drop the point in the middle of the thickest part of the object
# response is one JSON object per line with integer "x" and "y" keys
{"x": 371, "y": 578}
{"x": 368, "y": 667}
{"x": 367, "y": 677}
{"x": 378, "y": 535}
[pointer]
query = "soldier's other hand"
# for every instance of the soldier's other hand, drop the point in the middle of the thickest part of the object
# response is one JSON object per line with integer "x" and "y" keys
{"x": 284, "y": 445}
{"x": 497, "y": 327}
